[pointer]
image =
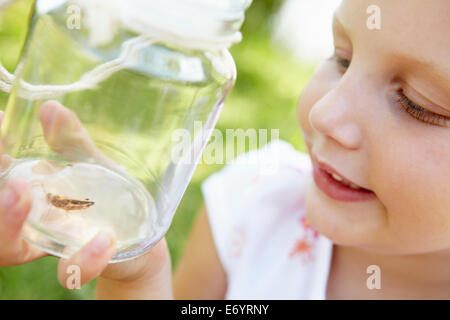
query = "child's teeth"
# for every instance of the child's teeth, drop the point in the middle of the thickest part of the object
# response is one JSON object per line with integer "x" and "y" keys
{"x": 353, "y": 186}
{"x": 336, "y": 177}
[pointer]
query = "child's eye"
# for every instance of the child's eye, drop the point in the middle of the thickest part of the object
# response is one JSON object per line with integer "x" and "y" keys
{"x": 345, "y": 63}
{"x": 420, "y": 113}
{"x": 342, "y": 63}
{"x": 409, "y": 106}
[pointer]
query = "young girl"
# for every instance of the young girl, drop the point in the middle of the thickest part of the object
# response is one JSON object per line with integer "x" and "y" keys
{"x": 365, "y": 216}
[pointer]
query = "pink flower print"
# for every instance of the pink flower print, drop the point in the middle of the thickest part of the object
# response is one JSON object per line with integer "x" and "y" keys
{"x": 308, "y": 227}
{"x": 304, "y": 246}
{"x": 303, "y": 249}
{"x": 237, "y": 241}
{"x": 256, "y": 178}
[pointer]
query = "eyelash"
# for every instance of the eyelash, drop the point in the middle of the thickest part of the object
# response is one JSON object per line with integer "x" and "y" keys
{"x": 407, "y": 105}
{"x": 344, "y": 63}
{"x": 420, "y": 113}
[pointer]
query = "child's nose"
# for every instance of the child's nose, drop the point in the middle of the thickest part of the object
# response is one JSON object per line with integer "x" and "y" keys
{"x": 335, "y": 117}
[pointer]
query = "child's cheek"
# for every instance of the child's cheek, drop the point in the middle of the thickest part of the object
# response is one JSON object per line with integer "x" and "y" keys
{"x": 415, "y": 191}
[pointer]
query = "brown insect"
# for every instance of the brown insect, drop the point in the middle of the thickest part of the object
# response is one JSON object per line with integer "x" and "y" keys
{"x": 68, "y": 204}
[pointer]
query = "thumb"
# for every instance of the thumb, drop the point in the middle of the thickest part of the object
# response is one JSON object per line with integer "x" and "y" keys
{"x": 87, "y": 263}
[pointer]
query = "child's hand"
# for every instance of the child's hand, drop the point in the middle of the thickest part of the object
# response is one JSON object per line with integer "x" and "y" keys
{"x": 150, "y": 275}
{"x": 147, "y": 277}
{"x": 15, "y": 202}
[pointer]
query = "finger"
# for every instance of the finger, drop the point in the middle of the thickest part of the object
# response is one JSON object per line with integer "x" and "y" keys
{"x": 66, "y": 135}
{"x": 149, "y": 265}
{"x": 64, "y": 132}
{"x": 5, "y": 160}
{"x": 15, "y": 204}
{"x": 90, "y": 260}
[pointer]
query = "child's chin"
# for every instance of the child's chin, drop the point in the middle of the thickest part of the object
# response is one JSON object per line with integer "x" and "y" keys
{"x": 349, "y": 224}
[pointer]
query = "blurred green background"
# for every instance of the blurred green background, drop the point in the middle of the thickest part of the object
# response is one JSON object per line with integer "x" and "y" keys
{"x": 269, "y": 83}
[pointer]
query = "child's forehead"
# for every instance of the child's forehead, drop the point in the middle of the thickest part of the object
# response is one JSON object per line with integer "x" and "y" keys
{"x": 415, "y": 20}
{"x": 415, "y": 32}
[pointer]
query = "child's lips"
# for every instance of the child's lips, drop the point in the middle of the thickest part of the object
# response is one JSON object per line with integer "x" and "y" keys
{"x": 337, "y": 175}
{"x": 337, "y": 186}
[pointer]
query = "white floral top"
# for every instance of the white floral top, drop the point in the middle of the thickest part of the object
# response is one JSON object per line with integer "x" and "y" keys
{"x": 256, "y": 208}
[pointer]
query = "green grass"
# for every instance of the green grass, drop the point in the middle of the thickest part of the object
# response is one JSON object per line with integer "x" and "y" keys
{"x": 265, "y": 97}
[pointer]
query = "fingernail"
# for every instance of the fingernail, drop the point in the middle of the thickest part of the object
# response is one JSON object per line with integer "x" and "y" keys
{"x": 9, "y": 197}
{"x": 102, "y": 241}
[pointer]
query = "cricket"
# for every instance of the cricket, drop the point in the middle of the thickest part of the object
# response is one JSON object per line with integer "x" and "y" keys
{"x": 68, "y": 204}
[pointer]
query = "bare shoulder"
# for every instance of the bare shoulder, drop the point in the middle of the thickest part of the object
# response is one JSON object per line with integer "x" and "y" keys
{"x": 200, "y": 274}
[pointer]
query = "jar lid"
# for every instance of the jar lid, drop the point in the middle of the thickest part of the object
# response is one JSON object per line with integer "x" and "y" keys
{"x": 194, "y": 24}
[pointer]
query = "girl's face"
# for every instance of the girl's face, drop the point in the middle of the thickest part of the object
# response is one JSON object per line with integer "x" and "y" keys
{"x": 378, "y": 112}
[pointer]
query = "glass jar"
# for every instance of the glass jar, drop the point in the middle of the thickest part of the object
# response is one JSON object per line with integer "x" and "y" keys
{"x": 104, "y": 110}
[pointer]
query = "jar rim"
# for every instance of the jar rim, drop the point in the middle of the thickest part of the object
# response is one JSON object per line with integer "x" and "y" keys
{"x": 195, "y": 24}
